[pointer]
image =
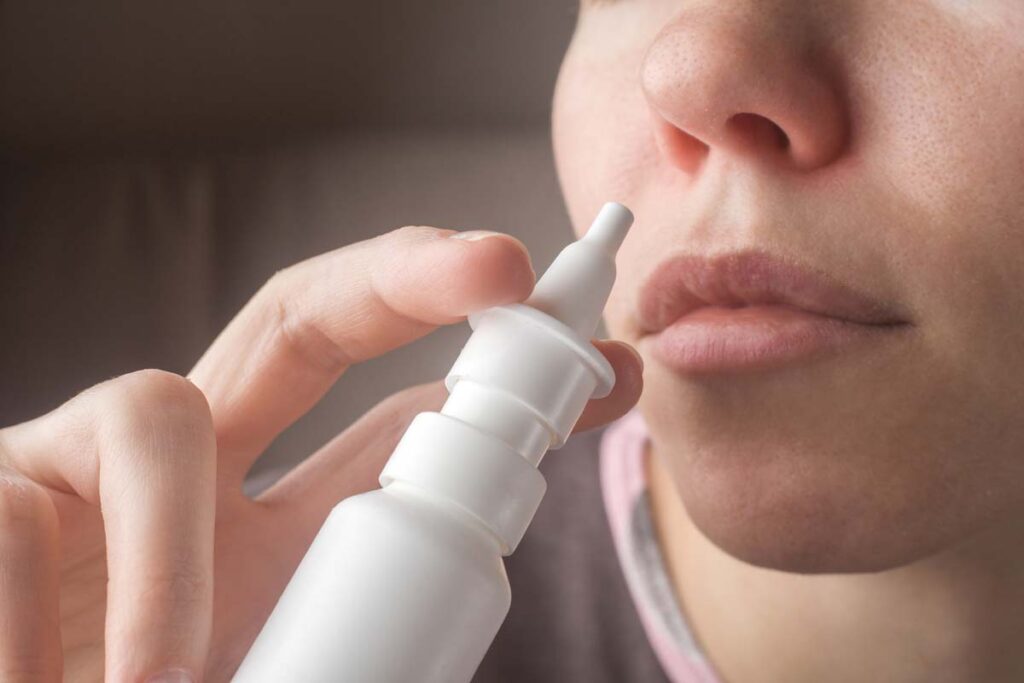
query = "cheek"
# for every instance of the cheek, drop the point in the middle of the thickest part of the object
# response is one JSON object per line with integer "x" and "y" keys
{"x": 604, "y": 149}
{"x": 946, "y": 135}
{"x": 942, "y": 144}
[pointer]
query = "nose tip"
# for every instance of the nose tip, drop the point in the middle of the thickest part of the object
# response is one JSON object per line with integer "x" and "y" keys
{"x": 721, "y": 85}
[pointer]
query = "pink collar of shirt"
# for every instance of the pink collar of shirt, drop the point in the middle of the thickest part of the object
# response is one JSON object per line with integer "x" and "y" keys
{"x": 624, "y": 489}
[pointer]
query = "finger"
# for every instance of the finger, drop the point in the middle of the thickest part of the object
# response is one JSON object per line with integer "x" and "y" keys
{"x": 30, "y": 646}
{"x": 351, "y": 462}
{"x": 309, "y": 322}
{"x": 629, "y": 383}
{"x": 141, "y": 447}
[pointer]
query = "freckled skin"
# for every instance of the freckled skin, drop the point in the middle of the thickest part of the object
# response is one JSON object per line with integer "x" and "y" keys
{"x": 886, "y": 148}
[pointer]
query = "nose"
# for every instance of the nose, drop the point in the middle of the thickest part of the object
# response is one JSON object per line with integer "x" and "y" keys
{"x": 721, "y": 80}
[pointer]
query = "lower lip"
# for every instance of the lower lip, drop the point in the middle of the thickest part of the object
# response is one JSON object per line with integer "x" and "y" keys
{"x": 717, "y": 339}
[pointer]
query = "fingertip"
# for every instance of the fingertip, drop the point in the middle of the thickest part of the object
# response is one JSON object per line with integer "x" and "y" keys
{"x": 638, "y": 360}
{"x": 628, "y": 365}
{"x": 497, "y": 268}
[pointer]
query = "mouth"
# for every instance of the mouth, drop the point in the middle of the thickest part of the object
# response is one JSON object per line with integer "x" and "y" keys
{"x": 751, "y": 310}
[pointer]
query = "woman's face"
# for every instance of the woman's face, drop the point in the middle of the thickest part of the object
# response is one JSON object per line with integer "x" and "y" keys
{"x": 877, "y": 143}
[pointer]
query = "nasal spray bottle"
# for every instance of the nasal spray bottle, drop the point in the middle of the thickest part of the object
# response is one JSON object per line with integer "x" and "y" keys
{"x": 406, "y": 583}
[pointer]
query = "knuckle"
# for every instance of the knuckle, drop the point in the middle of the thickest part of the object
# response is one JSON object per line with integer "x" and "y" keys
{"x": 295, "y": 277}
{"x": 159, "y": 404}
{"x": 23, "y": 504}
{"x": 413, "y": 232}
{"x": 279, "y": 281}
{"x": 183, "y": 585}
{"x": 308, "y": 340}
{"x": 301, "y": 334}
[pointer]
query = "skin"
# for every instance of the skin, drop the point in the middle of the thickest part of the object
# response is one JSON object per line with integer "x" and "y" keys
{"x": 853, "y": 517}
{"x": 127, "y": 548}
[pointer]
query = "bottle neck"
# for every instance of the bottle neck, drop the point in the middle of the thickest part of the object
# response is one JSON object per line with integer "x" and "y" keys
{"x": 449, "y": 458}
{"x": 501, "y": 415}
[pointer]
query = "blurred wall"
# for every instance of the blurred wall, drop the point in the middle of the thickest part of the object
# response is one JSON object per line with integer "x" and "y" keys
{"x": 161, "y": 160}
{"x": 116, "y": 73}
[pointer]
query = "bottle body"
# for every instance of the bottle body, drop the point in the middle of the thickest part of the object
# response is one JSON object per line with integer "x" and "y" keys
{"x": 398, "y": 586}
{"x": 406, "y": 584}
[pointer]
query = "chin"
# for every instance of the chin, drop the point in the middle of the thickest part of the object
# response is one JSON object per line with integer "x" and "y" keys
{"x": 784, "y": 536}
{"x": 858, "y": 463}
{"x": 794, "y": 514}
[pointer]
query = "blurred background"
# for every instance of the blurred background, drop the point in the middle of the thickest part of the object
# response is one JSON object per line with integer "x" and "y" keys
{"x": 159, "y": 161}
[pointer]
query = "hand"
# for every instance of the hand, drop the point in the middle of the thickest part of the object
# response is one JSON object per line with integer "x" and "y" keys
{"x": 127, "y": 548}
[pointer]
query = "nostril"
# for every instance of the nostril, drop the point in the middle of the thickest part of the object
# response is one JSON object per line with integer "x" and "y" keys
{"x": 758, "y": 131}
{"x": 684, "y": 151}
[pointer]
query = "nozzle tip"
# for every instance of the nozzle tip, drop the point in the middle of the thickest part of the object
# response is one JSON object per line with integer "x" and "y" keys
{"x": 610, "y": 226}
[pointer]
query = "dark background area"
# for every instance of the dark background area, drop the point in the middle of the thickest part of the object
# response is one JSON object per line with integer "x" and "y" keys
{"x": 159, "y": 161}
{"x": 119, "y": 73}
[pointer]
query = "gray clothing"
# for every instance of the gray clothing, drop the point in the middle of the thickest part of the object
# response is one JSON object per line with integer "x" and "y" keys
{"x": 572, "y": 618}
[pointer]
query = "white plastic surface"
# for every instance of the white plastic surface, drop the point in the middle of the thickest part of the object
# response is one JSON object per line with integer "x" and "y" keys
{"x": 395, "y": 588}
{"x": 406, "y": 583}
{"x": 546, "y": 367}
{"x": 482, "y": 475}
{"x": 576, "y": 286}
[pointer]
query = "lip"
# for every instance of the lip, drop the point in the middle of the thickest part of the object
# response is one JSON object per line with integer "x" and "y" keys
{"x": 752, "y": 310}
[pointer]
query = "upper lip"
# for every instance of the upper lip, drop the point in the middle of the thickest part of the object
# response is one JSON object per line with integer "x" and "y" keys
{"x": 687, "y": 282}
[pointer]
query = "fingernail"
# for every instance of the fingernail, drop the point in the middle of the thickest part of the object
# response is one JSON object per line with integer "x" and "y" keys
{"x": 171, "y": 676}
{"x": 474, "y": 235}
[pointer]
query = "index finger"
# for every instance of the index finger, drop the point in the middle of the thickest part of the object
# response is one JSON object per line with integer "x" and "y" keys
{"x": 300, "y": 332}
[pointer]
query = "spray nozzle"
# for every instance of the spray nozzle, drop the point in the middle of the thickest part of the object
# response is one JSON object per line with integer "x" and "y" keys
{"x": 575, "y": 287}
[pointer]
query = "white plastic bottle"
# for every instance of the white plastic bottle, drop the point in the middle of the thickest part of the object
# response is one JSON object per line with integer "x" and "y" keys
{"x": 406, "y": 584}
